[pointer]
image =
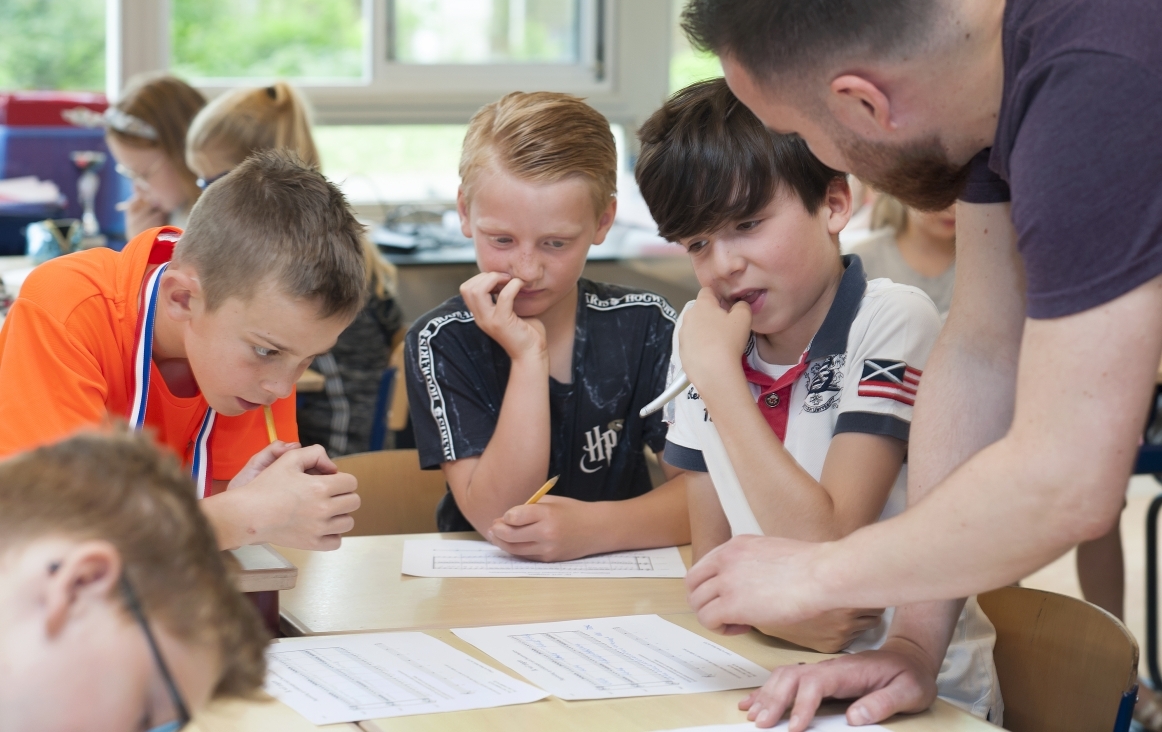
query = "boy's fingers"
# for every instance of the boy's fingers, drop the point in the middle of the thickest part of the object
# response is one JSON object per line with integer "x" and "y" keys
{"x": 523, "y": 515}
{"x": 344, "y": 503}
{"x": 507, "y": 296}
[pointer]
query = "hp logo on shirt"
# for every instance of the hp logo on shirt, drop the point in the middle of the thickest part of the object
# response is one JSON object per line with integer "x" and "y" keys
{"x": 599, "y": 447}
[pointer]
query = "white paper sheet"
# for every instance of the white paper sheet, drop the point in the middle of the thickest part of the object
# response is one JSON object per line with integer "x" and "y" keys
{"x": 351, "y": 678}
{"x": 606, "y": 658}
{"x": 453, "y": 558}
{"x": 826, "y": 723}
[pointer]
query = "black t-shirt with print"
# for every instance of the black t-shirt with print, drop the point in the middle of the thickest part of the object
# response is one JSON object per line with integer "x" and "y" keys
{"x": 1077, "y": 148}
{"x": 457, "y": 375}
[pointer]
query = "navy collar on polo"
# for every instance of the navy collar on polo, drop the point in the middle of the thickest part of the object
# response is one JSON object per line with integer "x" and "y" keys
{"x": 831, "y": 338}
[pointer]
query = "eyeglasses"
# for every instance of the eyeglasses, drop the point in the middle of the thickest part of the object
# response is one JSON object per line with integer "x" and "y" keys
{"x": 205, "y": 183}
{"x": 181, "y": 711}
{"x": 141, "y": 181}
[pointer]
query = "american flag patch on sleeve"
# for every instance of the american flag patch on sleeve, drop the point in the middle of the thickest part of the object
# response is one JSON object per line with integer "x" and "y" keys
{"x": 890, "y": 380}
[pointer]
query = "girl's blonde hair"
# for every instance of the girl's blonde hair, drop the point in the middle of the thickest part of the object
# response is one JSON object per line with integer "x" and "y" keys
{"x": 245, "y": 121}
{"x": 888, "y": 213}
{"x": 168, "y": 105}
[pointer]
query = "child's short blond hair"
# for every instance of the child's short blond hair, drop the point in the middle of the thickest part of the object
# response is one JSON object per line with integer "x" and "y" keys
{"x": 543, "y": 137}
{"x": 275, "y": 219}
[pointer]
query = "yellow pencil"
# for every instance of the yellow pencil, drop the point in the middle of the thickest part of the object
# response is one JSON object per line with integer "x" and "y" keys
{"x": 544, "y": 489}
{"x": 270, "y": 432}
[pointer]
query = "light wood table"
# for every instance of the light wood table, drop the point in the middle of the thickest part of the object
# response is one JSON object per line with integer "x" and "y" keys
{"x": 311, "y": 381}
{"x": 359, "y": 587}
{"x": 639, "y": 714}
{"x": 261, "y": 573}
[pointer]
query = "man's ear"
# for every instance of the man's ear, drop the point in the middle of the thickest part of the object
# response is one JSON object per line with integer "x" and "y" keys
{"x": 606, "y": 221}
{"x": 180, "y": 293}
{"x": 87, "y": 576}
{"x": 462, "y": 210}
{"x": 860, "y": 105}
{"x": 837, "y": 205}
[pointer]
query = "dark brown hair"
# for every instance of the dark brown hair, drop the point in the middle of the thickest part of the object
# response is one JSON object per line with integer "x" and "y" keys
{"x": 120, "y": 488}
{"x": 774, "y": 36}
{"x": 168, "y": 105}
{"x": 706, "y": 160}
{"x": 273, "y": 218}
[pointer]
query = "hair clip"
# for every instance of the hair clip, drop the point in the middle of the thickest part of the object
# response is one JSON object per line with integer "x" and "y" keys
{"x": 113, "y": 119}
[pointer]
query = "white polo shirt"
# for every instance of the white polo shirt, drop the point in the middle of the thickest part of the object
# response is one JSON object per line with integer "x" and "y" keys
{"x": 862, "y": 370}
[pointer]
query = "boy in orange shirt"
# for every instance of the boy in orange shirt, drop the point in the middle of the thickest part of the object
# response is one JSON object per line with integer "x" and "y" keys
{"x": 189, "y": 334}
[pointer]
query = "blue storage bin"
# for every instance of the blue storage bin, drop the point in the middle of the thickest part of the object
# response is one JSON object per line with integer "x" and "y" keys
{"x": 44, "y": 152}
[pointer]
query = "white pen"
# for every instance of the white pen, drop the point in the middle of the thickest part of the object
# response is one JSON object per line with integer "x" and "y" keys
{"x": 672, "y": 391}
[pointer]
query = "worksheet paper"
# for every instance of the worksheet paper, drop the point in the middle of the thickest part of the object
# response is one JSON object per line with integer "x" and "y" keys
{"x": 606, "y": 658}
{"x": 454, "y": 558}
{"x": 351, "y": 678}
{"x": 826, "y": 723}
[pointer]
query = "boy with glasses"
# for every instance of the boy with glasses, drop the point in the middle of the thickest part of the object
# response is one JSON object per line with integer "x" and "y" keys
{"x": 106, "y": 564}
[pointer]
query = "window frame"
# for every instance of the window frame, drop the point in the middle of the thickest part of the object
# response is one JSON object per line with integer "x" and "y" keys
{"x": 624, "y": 75}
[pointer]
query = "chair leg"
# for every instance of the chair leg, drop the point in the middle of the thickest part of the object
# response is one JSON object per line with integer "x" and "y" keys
{"x": 1152, "y": 591}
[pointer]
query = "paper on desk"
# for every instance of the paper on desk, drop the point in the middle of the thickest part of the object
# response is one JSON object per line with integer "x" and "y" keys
{"x": 606, "y": 658}
{"x": 826, "y": 723}
{"x": 454, "y": 558}
{"x": 351, "y": 678}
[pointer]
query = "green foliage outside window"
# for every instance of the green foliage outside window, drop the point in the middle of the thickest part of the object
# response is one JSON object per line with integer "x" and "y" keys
{"x": 52, "y": 44}
{"x": 266, "y": 38}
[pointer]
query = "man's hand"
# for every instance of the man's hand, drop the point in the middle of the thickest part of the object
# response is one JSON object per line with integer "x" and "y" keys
{"x": 298, "y": 499}
{"x": 896, "y": 678}
{"x": 754, "y": 581}
{"x": 552, "y": 530}
{"x": 712, "y": 340}
{"x": 519, "y": 337}
{"x": 830, "y": 632}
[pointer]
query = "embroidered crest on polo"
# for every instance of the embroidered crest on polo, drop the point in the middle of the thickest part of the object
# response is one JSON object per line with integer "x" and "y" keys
{"x": 889, "y": 379}
{"x": 824, "y": 383}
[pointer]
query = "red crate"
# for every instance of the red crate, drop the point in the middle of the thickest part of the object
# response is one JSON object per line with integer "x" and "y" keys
{"x": 43, "y": 108}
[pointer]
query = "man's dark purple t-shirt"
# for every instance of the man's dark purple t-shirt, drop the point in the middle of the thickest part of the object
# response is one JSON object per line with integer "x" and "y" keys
{"x": 1079, "y": 148}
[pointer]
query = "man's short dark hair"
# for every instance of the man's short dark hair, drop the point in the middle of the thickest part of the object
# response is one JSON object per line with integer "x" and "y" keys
{"x": 772, "y": 36}
{"x": 706, "y": 161}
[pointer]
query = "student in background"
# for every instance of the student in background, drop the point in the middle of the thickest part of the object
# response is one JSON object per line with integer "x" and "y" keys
{"x": 103, "y": 553}
{"x": 146, "y": 132}
{"x": 803, "y": 369}
{"x": 534, "y": 371}
{"x": 192, "y": 335}
{"x": 243, "y": 122}
{"x": 912, "y": 247}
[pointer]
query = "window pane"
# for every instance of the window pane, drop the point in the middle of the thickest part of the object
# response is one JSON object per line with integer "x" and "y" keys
{"x": 52, "y": 45}
{"x": 264, "y": 38}
{"x": 486, "y": 31}
{"x": 687, "y": 65}
{"x": 382, "y": 163}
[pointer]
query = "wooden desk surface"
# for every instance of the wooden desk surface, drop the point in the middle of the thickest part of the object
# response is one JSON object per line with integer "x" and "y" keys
{"x": 262, "y": 569}
{"x": 640, "y": 714}
{"x": 359, "y": 588}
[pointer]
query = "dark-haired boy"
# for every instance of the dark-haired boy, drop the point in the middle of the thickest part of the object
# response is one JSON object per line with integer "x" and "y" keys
{"x": 801, "y": 369}
{"x": 189, "y": 335}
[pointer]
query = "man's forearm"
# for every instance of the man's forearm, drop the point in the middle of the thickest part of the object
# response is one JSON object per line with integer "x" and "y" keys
{"x": 1055, "y": 479}
{"x": 515, "y": 462}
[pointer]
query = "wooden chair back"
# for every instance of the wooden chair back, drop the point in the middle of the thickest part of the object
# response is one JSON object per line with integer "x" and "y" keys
{"x": 1064, "y": 665}
{"x": 397, "y": 497}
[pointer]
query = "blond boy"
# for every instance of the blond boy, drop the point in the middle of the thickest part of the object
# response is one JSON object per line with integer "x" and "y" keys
{"x": 535, "y": 371}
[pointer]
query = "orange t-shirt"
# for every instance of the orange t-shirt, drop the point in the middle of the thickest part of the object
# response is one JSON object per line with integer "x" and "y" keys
{"x": 66, "y": 361}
